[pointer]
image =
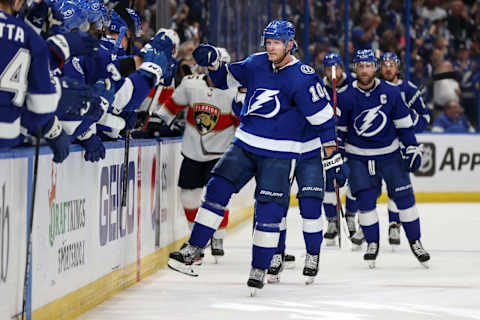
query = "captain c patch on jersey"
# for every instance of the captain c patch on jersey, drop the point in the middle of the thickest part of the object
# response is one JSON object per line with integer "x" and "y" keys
{"x": 370, "y": 122}
{"x": 205, "y": 117}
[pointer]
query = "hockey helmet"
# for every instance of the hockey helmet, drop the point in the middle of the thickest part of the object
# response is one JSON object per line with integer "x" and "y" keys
{"x": 332, "y": 59}
{"x": 173, "y": 36}
{"x": 97, "y": 13}
{"x": 365, "y": 55}
{"x": 73, "y": 16}
{"x": 280, "y": 30}
{"x": 390, "y": 56}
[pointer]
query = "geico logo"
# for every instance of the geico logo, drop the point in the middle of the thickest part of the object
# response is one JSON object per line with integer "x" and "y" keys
{"x": 111, "y": 182}
{"x": 459, "y": 161}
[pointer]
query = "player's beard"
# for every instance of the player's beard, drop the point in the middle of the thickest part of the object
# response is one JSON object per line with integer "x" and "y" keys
{"x": 389, "y": 76}
{"x": 280, "y": 59}
{"x": 365, "y": 79}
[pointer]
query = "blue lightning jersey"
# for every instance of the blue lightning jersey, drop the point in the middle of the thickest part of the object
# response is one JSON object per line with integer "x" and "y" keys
{"x": 28, "y": 94}
{"x": 418, "y": 110}
{"x": 286, "y": 113}
{"x": 374, "y": 122}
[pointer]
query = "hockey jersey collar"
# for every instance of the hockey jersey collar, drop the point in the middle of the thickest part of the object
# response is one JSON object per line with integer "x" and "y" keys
{"x": 339, "y": 83}
{"x": 355, "y": 85}
{"x": 291, "y": 63}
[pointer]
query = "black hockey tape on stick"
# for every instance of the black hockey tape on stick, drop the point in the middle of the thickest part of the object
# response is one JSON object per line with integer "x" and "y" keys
{"x": 429, "y": 81}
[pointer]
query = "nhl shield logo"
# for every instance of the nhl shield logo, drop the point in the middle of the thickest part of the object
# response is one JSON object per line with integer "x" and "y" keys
{"x": 205, "y": 117}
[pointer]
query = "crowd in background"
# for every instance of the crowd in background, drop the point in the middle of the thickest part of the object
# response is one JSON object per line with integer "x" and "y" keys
{"x": 444, "y": 37}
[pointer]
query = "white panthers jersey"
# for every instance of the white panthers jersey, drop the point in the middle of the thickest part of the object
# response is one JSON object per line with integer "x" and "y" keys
{"x": 210, "y": 121}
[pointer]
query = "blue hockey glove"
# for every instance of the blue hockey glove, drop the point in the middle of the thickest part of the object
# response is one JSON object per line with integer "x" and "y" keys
{"x": 335, "y": 168}
{"x": 74, "y": 94}
{"x": 207, "y": 56}
{"x": 154, "y": 62}
{"x": 94, "y": 148}
{"x": 161, "y": 42}
{"x": 413, "y": 157}
{"x": 74, "y": 44}
{"x": 101, "y": 102}
{"x": 57, "y": 139}
{"x": 38, "y": 15}
{"x": 170, "y": 71}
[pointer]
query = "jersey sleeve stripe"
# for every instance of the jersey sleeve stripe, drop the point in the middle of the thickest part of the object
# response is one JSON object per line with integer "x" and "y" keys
{"x": 42, "y": 103}
{"x": 123, "y": 96}
{"x": 321, "y": 116}
{"x": 231, "y": 81}
{"x": 405, "y": 122}
{"x": 10, "y": 130}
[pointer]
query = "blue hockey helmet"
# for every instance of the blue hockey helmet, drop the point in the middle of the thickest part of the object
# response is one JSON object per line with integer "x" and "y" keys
{"x": 116, "y": 22}
{"x": 97, "y": 14}
{"x": 390, "y": 56}
{"x": 332, "y": 59}
{"x": 280, "y": 30}
{"x": 73, "y": 16}
{"x": 365, "y": 55}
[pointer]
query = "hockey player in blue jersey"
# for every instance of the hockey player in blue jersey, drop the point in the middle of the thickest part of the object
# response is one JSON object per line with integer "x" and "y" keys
{"x": 374, "y": 121}
{"x": 343, "y": 80}
{"x": 389, "y": 70}
{"x": 283, "y": 98}
{"x": 29, "y": 95}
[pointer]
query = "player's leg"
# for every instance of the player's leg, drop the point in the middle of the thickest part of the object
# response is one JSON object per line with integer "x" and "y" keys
{"x": 278, "y": 260}
{"x": 363, "y": 183}
{"x": 400, "y": 188}
{"x": 330, "y": 207}
{"x": 272, "y": 197}
{"x": 351, "y": 207}
{"x": 394, "y": 223}
{"x": 229, "y": 175}
{"x": 309, "y": 175}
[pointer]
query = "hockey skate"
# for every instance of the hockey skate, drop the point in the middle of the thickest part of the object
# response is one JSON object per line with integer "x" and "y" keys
{"x": 276, "y": 267}
{"x": 351, "y": 225}
{"x": 331, "y": 233}
{"x": 371, "y": 254}
{"x": 198, "y": 260}
{"x": 255, "y": 280}
{"x": 183, "y": 259}
{"x": 289, "y": 261}
{"x": 357, "y": 240}
{"x": 311, "y": 268}
{"x": 217, "y": 249}
{"x": 394, "y": 233}
{"x": 421, "y": 254}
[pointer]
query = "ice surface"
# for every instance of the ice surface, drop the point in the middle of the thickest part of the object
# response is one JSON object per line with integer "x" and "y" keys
{"x": 345, "y": 289}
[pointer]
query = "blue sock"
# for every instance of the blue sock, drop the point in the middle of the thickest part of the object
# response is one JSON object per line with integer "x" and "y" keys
{"x": 393, "y": 216}
{"x": 311, "y": 211}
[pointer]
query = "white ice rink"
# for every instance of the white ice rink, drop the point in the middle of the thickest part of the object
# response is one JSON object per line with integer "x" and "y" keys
{"x": 345, "y": 289}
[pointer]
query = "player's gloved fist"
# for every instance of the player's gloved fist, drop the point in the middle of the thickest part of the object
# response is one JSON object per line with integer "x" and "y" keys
{"x": 413, "y": 157}
{"x": 100, "y": 103}
{"x": 154, "y": 62}
{"x": 336, "y": 168}
{"x": 207, "y": 55}
{"x": 94, "y": 148}
{"x": 57, "y": 139}
{"x": 74, "y": 44}
{"x": 160, "y": 42}
{"x": 73, "y": 96}
{"x": 37, "y": 15}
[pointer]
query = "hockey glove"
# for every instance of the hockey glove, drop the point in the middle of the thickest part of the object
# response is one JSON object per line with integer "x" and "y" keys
{"x": 74, "y": 94}
{"x": 335, "y": 168}
{"x": 160, "y": 42}
{"x": 94, "y": 148}
{"x": 207, "y": 56}
{"x": 99, "y": 104}
{"x": 413, "y": 157}
{"x": 73, "y": 44}
{"x": 170, "y": 71}
{"x": 154, "y": 62}
{"x": 57, "y": 139}
{"x": 37, "y": 16}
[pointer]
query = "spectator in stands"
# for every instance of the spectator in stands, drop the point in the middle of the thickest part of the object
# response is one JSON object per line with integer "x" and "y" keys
{"x": 464, "y": 66}
{"x": 432, "y": 11}
{"x": 365, "y": 34}
{"x": 452, "y": 121}
{"x": 445, "y": 90}
{"x": 459, "y": 23}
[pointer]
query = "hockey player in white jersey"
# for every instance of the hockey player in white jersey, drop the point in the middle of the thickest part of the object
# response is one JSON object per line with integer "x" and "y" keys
{"x": 389, "y": 70}
{"x": 283, "y": 97}
{"x": 374, "y": 121}
{"x": 210, "y": 128}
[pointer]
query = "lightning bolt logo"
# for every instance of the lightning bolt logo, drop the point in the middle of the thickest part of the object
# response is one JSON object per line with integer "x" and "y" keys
{"x": 366, "y": 120}
{"x": 260, "y": 99}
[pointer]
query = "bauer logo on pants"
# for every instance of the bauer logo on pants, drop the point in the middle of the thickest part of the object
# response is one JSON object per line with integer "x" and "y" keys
{"x": 427, "y": 169}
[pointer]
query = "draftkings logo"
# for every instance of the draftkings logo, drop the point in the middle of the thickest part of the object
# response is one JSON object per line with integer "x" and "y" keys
{"x": 427, "y": 169}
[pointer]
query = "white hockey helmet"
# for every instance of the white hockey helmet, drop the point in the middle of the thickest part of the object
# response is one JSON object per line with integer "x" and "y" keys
{"x": 172, "y": 34}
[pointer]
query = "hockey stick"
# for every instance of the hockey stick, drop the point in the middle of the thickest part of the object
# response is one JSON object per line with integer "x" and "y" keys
{"x": 209, "y": 153}
{"x": 151, "y": 106}
{"x": 28, "y": 260}
{"x": 428, "y": 82}
{"x": 340, "y": 213}
{"x": 122, "y": 12}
